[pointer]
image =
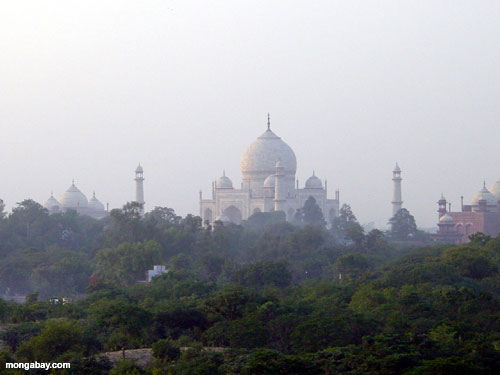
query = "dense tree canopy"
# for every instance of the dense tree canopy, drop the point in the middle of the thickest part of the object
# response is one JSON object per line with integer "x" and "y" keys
{"x": 403, "y": 226}
{"x": 264, "y": 297}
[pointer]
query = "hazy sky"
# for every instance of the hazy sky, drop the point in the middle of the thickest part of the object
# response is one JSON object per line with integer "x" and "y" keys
{"x": 90, "y": 88}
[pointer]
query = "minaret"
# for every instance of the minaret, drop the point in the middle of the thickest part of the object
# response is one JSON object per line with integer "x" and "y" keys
{"x": 441, "y": 206}
{"x": 279, "y": 188}
{"x": 139, "y": 186}
{"x": 397, "y": 203}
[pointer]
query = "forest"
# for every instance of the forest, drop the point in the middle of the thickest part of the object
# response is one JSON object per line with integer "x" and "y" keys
{"x": 264, "y": 297}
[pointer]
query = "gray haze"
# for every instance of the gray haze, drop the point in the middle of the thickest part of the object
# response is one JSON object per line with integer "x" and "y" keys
{"x": 90, "y": 88}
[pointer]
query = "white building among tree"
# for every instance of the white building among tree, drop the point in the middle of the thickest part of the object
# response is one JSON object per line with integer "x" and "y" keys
{"x": 268, "y": 168}
{"x": 74, "y": 199}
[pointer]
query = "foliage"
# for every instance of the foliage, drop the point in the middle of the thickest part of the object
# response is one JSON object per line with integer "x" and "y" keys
{"x": 166, "y": 350}
{"x": 403, "y": 226}
{"x": 345, "y": 227}
{"x": 263, "y": 297}
{"x": 310, "y": 214}
{"x": 127, "y": 263}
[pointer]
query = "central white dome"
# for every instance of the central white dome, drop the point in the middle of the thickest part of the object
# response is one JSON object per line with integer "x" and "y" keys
{"x": 259, "y": 159}
{"x": 73, "y": 198}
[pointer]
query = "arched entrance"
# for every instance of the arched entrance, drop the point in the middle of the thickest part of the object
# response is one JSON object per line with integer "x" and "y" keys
{"x": 331, "y": 215}
{"x": 207, "y": 216}
{"x": 233, "y": 214}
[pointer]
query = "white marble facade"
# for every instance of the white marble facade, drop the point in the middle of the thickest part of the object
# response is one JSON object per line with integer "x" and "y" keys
{"x": 268, "y": 168}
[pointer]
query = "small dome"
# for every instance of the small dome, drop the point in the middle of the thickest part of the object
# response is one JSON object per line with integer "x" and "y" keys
{"x": 314, "y": 182}
{"x": 484, "y": 194}
{"x": 446, "y": 219}
{"x": 495, "y": 190}
{"x": 73, "y": 198}
{"x": 270, "y": 181}
{"x": 95, "y": 204}
{"x": 139, "y": 169}
{"x": 52, "y": 204}
{"x": 224, "y": 182}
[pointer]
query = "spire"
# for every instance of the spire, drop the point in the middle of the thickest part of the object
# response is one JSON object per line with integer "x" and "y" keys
{"x": 314, "y": 173}
{"x": 94, "y": 193}
{"x": 73, "y": 181}
{"x": 224, "y": 173}
{"x": 268, "y": 121}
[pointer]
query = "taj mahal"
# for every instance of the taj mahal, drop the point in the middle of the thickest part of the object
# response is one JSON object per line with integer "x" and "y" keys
{"x": 268, "y": 168}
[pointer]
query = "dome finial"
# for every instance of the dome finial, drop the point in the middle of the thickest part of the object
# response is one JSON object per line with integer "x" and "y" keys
{"x": 73, "y": 181}
{"x": 224, "y": 173}
{"x": 314, "y": 173}
{"x": 268, "y": 121}
{"x": 484, "y": 184}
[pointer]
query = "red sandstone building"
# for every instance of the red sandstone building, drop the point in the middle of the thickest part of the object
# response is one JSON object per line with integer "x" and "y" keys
{"x": 482, "y": 215}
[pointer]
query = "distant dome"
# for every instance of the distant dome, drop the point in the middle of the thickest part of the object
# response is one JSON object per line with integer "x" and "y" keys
{"x": 314, "y": 182}
{"x": 446, "y": 219}
{"x": 95, "y": 204}
{"x": 224, "y": 182}
{"x": 259, "y": 159}
{"x": 139, "y": 169}
{"x": 52, "y": 204}
{"x": 495, "y": 190}
{"x": 484, "y": 194}
{"x": 270, "y": 181}
{"x": 73, "y": 198}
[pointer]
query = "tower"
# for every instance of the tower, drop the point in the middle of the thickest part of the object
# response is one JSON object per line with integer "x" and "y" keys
{"x": 441, "y": 206}
{"x": 280, "y": 188}
{"x": 139, "y": 186}
{"x": 397, "y": 203}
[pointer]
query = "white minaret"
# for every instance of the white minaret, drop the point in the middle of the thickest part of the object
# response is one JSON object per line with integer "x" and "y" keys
{"x": 279, "y": 188}
{"x": 139, "y": 186}
{"x": 397, "y": 202}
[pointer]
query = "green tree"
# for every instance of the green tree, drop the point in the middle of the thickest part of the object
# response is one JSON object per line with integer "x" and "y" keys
{"x": 162, "y": 217}
{"x": 345, "y": 227}
{"x": 375, "y": 240}
{"x": 121, "y": 324}
{"x": 263, "y": 273}
{"x": 403, "y": 226}
{"x": 228, "y": 303}
{"x": 166, "y": 350}
{"x": 261, "y": 220}
{"x": 310, "y": 214}
{"x": 351, "y": 266}
{"x": 127, "y": 263}
{"x": 126, "y": 224}
{"x": 57, "y": 337}
{"x": 2, "y": 208}
{"x": 126, "y": 367}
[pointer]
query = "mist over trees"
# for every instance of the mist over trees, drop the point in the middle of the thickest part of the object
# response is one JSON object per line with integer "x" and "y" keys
{"x": 274, "y": 297}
